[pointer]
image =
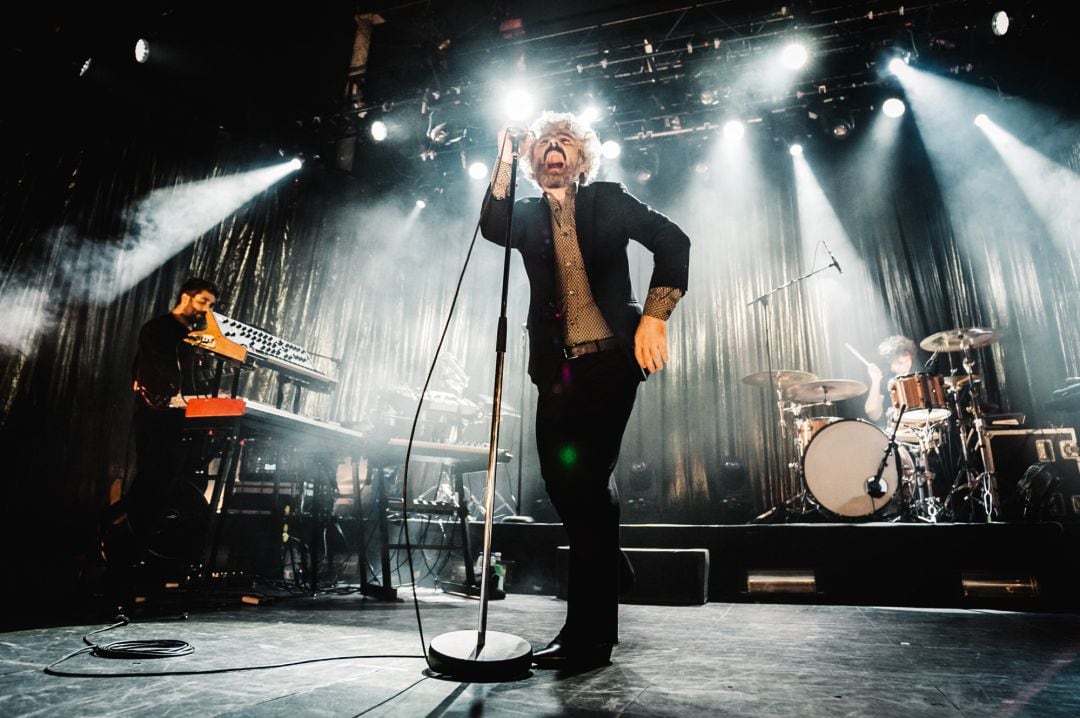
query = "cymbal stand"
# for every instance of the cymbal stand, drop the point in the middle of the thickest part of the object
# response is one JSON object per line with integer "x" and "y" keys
{"x": 981, "y": 485}
{"x": 987, "y": 482}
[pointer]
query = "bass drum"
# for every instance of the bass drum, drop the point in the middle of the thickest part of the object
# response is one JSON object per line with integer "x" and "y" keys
{"x": 839, "y": 463}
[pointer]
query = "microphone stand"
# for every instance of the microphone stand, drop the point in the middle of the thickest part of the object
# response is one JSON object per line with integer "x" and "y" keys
{"x": 763, "y": 301}
{"x": 874, "y": 485}
{"x": 521, "y": 419}
{"x": 484, "y": 655}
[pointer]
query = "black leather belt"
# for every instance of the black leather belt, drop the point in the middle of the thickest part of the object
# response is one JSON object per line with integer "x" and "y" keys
{"x": 599, "y": 345}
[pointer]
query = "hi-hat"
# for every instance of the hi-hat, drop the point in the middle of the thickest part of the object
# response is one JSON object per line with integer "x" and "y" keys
{"x": 955, "y": 382}
{"x": 782, "y": 378}
{"x": 825, "y": 390}
{"x": 955, "y": 340}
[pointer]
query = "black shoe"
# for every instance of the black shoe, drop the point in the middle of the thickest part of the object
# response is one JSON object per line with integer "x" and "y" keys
{"x": 579, "y": 656}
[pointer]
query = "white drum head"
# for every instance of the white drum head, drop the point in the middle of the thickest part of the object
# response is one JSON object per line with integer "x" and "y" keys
{"x": 924, "y": 416}
{"x": 838, "y": 463}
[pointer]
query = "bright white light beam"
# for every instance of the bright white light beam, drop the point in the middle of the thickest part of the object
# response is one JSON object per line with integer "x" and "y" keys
{"x": 1051, "y": 189}
{"x": 165, "y": 222}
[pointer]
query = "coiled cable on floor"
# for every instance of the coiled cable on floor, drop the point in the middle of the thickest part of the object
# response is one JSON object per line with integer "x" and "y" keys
{"x": 152, "y": 648}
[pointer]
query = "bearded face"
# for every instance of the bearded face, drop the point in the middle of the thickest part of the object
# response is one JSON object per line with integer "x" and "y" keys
{"x": 556, "y": 158}
{"x": 193, "y": 307}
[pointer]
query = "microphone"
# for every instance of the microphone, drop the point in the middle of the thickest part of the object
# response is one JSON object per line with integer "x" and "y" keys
{"x": 834, "y": 262}
{"x": 876, "y": 486}
{"x": 930, "y": 362}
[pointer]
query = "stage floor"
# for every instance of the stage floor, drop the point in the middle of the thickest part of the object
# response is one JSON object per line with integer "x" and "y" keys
{"x": 739, "y": 659}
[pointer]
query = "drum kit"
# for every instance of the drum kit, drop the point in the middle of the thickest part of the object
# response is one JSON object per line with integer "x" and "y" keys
{"x": 848, "y": 469}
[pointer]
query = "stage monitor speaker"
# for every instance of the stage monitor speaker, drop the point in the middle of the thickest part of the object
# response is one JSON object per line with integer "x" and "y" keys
{"x": 1015, "y": 451}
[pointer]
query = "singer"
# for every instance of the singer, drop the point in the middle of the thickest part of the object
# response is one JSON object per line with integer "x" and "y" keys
{"x": 590, "y": 346}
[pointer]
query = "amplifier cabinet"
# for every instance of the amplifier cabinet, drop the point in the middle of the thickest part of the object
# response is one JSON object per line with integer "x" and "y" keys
{"x": 1014, "y": 451}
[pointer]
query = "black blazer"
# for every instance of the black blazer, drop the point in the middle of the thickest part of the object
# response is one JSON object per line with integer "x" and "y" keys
{"x": 607, "y": 217}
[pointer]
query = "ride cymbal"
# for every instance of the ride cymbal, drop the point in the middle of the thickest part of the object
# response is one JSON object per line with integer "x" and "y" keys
{"x": 955, "y": 340}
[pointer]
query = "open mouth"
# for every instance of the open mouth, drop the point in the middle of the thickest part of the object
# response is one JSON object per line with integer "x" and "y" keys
{"x": 554, "y": 160}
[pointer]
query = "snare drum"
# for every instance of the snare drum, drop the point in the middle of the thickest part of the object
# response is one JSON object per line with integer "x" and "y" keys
{"x": 840, "y": 460}
{"x": 922, "y": 394}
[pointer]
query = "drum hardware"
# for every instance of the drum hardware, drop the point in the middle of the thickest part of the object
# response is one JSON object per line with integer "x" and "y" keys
{"x": 875, "y": 485}
{"x": 979, "y": 486}
{"x": 955, "y": 382}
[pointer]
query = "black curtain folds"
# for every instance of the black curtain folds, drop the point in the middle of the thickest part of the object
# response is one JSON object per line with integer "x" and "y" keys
{"x": 367, "y": 281}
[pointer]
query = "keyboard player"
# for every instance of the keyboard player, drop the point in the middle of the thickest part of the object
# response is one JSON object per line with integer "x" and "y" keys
{"x": 164, "y": 366}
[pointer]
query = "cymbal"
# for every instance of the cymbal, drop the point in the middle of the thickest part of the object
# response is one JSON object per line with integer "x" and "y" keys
{"x": 825, "y": 390}
{"x": 783, "y": 378}
{"x": 955, "y": 340}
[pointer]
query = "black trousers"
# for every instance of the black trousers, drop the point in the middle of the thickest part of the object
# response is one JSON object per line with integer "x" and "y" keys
{"x": 580, "y": 419}
{"x": 157, "y": 460}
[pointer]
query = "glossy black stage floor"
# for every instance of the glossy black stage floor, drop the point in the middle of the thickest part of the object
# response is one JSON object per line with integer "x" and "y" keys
{"x": 352, "y": 656}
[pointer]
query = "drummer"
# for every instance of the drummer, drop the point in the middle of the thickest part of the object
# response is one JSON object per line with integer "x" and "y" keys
{"x": 899, "y": 351}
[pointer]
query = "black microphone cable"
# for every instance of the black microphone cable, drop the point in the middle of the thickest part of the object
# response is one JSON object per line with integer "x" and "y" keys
{"x": 416, "y": 419}
{"x": 169, "y": 648}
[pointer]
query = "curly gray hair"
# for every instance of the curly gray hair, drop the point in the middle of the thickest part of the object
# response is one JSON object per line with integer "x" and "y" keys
{"x": 585, "y": 136}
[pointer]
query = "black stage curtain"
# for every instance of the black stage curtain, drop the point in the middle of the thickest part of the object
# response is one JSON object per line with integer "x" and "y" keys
{"x": 366, "y": 279}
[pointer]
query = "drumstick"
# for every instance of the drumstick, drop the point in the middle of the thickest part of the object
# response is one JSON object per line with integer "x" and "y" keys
{"x": 857, "y": 354}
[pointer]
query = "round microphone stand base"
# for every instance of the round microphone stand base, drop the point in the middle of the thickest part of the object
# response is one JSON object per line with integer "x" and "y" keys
{"x": 504, "y": 657}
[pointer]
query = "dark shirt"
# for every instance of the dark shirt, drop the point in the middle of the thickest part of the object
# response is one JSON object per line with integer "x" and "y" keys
{"x": 165, "y": 365}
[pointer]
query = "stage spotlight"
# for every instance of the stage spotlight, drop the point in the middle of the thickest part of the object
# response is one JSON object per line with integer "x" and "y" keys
{"x": 379, "y": 130}
{"x": 893, "y": 107}
{"x": 981, "y": 120}
{"x": 610, "y": 149}
{"x": 840, "y": 129}
{"x": 518, "y": 105}
{"x": 86, "y": 66}
{"x": 999, "y": 23}
{"x": 795, "y": 150}
{"x": 420, "y": 204}
{"x": 643, "y": 165}
{"x": 837, "y": 121}
{"x": 478, "y": 170}
{"x": 701, "y": 167}
{"x": 589, "y": 115}
{"x": 794, "y": 56}
{"x": 142, "y": 50}
{"x": 896, "y": 65}
{"x": 734, "y": 130}
{"x": 295, "y": 164}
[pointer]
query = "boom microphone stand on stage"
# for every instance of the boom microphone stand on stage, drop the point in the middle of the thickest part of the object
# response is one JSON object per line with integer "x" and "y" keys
{"x": 488, "y": 655}
{"x": 763, "y": 301}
